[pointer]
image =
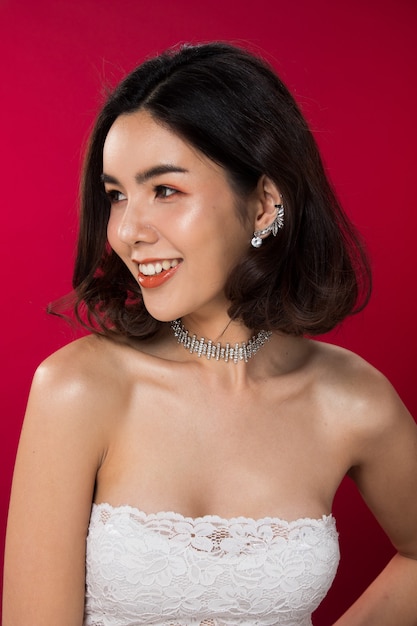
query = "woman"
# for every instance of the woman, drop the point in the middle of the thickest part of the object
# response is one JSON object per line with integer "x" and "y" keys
{"x": 178, "y": 465}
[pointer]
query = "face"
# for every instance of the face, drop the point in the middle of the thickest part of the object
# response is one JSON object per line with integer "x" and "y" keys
{"x": 173, "y": 220}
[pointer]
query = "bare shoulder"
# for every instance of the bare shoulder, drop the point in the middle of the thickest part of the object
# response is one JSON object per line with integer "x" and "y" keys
{"x": 80, "y": 385}
{"x": 83, "y": 357}
{"x": 356, "y": 388}
{"x": 379, "y": 437}
{"x": 64, "y": 439}
{"x": 362, "y": 398}
{"x": 73, "y": 405}
{"x": 83, "y": 367}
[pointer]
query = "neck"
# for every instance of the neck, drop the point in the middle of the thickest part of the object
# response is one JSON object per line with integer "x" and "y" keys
{"x": 217, "y": 328}
{"x": 216, "y": 350}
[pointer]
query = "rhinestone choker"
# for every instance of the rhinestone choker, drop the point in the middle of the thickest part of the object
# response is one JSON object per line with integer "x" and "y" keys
{"x": 237, "y": 352}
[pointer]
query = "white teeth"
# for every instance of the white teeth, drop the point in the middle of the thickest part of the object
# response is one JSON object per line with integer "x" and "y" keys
{"x": 150, "y": 269}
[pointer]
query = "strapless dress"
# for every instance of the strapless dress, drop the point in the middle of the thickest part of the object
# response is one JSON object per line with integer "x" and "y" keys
{"x": 165, "y": 569}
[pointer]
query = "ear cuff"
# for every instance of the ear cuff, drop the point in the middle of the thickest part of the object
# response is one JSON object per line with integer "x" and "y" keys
{"x": 273, "y": 228}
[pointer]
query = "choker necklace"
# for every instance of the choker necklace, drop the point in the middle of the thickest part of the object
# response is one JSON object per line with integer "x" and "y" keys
{"x": 237, "y": 352}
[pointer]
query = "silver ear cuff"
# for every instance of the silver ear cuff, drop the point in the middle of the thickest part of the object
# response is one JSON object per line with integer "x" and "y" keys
{"x": 273, "y": 228}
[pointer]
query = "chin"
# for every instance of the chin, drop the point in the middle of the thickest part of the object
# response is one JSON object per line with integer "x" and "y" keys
{"x": 164, "y": 315}
{"x": 163, "y": 318}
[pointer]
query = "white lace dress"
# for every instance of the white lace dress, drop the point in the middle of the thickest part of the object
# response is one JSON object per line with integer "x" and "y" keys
{"x": 168, "y": 570}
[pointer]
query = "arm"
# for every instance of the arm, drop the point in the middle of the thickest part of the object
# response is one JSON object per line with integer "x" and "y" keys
{"x": 58, "y": 456}
{"x": 386, "y": 475}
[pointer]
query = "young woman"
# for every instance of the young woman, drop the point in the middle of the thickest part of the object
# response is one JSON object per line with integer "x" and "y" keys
{"x": 178, "y": 465}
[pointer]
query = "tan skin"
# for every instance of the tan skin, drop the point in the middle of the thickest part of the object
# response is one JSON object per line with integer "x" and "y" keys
{"x": 149, "y": 425}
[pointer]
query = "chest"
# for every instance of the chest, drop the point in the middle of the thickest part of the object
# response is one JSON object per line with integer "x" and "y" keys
{"x": 191, "y": 448}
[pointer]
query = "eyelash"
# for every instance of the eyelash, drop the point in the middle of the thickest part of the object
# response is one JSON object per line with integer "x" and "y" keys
{"x": 161, "y": 191}
{"x": 112, "y": 196}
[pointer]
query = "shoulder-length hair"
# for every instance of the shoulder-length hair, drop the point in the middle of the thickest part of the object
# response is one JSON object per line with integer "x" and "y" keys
{"x": 230, "y": 105}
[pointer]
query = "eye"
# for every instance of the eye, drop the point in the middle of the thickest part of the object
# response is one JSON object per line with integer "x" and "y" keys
{"x": 162, "y": 191}
{"x": 115, "y": 196}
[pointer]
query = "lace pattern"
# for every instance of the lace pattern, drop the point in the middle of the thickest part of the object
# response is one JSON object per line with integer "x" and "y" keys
{"x": 168, "y": 570}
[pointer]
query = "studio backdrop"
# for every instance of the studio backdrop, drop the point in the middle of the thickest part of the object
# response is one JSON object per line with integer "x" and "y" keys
{"x": 352, "y": 67}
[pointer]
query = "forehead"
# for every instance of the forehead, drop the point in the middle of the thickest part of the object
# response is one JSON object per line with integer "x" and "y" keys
{"x": 140, "y": 137}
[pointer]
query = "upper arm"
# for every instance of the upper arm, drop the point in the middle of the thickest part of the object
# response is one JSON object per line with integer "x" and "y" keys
{"x": 59, "y": 452}
{"x": 386, "y": 471}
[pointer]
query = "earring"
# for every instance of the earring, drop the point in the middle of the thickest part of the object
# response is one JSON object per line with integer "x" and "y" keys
{"x": 273, "y": 228}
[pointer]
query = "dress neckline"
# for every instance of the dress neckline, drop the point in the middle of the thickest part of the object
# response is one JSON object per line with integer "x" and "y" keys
{"x": 213, "y": 519}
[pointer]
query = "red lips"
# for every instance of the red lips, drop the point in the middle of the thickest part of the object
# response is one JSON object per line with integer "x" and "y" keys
{"x": 156, "y": 280}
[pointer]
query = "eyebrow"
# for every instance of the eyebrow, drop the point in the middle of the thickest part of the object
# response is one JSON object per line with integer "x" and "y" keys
{"x": 142, "y": 177}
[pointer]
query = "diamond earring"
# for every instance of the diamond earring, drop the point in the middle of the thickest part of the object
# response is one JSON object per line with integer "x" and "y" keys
{"x": 273, "y": 228}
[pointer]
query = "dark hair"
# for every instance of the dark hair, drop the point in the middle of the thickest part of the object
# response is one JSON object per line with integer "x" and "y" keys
{"x": 231, "y": 106}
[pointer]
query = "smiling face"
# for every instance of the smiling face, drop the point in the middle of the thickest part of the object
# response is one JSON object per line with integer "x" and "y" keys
{"x": 174, "y": 219}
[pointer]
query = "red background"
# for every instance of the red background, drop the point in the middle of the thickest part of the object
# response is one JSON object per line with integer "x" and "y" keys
{"x": 352, "y": 67}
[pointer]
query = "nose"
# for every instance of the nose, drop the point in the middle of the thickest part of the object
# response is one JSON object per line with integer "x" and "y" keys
{"x": 134, "y": 228}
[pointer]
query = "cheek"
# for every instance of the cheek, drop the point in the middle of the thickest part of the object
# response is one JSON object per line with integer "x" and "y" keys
{"x": 112, "y": 233}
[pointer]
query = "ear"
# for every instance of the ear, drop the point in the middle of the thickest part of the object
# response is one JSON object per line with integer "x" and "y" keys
{"x": 267, "y": 196}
